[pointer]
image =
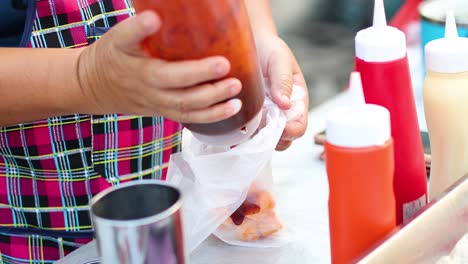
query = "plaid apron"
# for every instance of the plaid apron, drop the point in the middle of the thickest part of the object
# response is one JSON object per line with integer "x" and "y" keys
{"x": 50, "y": 169}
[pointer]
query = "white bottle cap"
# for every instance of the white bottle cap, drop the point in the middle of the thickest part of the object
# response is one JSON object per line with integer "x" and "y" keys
{"x": 360, "y": 126}
{"x": 448, "y": 54}
{"x": 380, "y": 43}
{"x": 355, "y": 91}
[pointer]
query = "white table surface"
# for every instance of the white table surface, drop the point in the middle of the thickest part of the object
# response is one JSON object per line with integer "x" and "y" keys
{"x": 301, "y": 191}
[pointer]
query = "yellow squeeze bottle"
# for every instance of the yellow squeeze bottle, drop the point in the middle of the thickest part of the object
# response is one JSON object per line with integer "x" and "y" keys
{"x": 446, "y": 107}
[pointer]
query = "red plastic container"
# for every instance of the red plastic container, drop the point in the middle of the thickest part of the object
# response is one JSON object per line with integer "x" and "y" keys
{"x": 360, "y": 166}
{"x": 389, "y": 84}
{"x": 361, "y": 204}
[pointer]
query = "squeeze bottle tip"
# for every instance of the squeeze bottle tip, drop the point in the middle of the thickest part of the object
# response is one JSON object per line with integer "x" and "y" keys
{"x": 355, "y": 89}
{"x": 450, "y": 26}
{"x": 380, "y": 20}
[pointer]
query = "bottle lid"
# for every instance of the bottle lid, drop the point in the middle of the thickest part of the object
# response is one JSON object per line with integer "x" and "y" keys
{"x": 358, "y": 126}
{"x": 234, "y": 137}
{"x": 448, "y": 54}
{"x": 380, "y": 43}
{"x": 355, "y": 91}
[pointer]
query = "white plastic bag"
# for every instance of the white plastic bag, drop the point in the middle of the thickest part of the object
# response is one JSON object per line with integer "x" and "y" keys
{"x": 215, "y": 181}
{"x": 459, "y": 254}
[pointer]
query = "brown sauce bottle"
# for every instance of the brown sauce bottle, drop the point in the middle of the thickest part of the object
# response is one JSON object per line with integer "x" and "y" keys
{"x": 198, "y": 29}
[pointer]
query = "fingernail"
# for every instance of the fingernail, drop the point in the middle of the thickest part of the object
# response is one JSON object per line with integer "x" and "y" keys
{"x": 234, "y": 87}
{"x": 221, "y": 69}
{"x": 297, "y": 79}
{"x": 150, "y": 21}
{"x": 285, "y": 98}
{"x": 236, "y": 105}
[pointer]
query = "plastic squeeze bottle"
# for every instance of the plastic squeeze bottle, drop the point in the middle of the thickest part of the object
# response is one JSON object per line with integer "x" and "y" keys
{"x": 445, "y": 103}
{"x": 382, "y": 61}
{"x": 202, "y": 28}
{"x": 360, "y": 166}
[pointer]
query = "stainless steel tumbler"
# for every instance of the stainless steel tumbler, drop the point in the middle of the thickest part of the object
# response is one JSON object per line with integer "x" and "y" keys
{"x": 139, "y": 223}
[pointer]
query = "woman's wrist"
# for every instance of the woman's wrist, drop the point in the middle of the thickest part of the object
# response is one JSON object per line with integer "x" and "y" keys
{"x": 87, "y": 76}
{"x": 261, "y": 18}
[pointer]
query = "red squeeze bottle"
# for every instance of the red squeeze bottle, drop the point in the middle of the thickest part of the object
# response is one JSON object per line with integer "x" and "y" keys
{"x": 202, "y": 28}
{"x": 381, "y": 59}
{"x": 359, "y": 151}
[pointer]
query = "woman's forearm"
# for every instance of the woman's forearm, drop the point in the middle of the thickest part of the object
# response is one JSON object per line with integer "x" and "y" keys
{"x": 37, "y": 84}
{"x": 260, "y": 16}
{"x": 41, "y": 83}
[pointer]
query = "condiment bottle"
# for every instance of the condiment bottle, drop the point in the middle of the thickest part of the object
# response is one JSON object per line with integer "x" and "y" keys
{"x": 197, "y": 29}
{"x": 446, "y": 108}
{"x": 382, "y": 61}
{"x": 360, "y": 166}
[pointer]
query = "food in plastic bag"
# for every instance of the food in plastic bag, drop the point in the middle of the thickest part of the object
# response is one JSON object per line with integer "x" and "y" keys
{"x": 256, "y": 217}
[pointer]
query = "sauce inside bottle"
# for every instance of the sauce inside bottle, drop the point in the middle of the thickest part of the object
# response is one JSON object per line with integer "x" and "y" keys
{"x": 198, "y": 29}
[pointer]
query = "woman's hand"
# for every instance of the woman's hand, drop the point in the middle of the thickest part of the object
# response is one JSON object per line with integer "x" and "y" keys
{"x": 118, "y": 76}
{"x": 279, "y": 67}
{"x": 281, "y": 70}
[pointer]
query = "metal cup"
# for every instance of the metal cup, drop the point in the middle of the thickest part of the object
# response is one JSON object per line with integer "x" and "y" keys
{"x": 139, "y": 222}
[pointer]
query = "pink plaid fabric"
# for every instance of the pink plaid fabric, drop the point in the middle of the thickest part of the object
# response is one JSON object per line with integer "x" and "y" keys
{"x": 50, "y": 169}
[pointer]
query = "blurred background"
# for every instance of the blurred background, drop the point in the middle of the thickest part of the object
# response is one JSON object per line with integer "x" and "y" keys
{"x": 321, "y": 34}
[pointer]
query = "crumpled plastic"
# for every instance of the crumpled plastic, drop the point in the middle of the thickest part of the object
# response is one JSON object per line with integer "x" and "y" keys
{"x": 459, "y": 254}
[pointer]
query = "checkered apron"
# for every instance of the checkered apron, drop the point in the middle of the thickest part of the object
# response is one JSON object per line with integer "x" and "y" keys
{"x": 50, "y": 169}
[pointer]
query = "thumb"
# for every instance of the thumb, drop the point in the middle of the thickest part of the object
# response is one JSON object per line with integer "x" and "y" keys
{"x": 281, "y": 77}
{"x": 129, "y": 34}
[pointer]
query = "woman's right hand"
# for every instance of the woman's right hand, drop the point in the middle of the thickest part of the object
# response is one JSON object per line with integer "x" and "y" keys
{"x": 118, "y": 76}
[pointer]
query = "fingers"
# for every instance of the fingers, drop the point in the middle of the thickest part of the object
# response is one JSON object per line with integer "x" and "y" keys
{"x": 298, "y": 76}
{"x": 280, "y": 73}
{"x": 129, "y": 34}
{"x": 208, "y": 115}
{"x": 295, "y": 129}
{"x": 186, "y": 73}
{"x": 283, "y": 145}
{"x": 205, "y": 95}
{"x": 200, "y": 104}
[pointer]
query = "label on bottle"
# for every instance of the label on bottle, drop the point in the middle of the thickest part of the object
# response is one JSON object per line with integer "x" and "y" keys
{"x": 411, "y": 208}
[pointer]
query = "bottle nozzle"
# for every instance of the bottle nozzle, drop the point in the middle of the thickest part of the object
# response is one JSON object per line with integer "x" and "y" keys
{"x": 380, "y": 20}
{"x": 355, "y": 89}
{"x": 450, "y": 26}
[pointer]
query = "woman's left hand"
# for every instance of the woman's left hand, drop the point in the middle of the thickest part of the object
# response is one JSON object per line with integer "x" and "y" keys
{"x": 281, "y": 71}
